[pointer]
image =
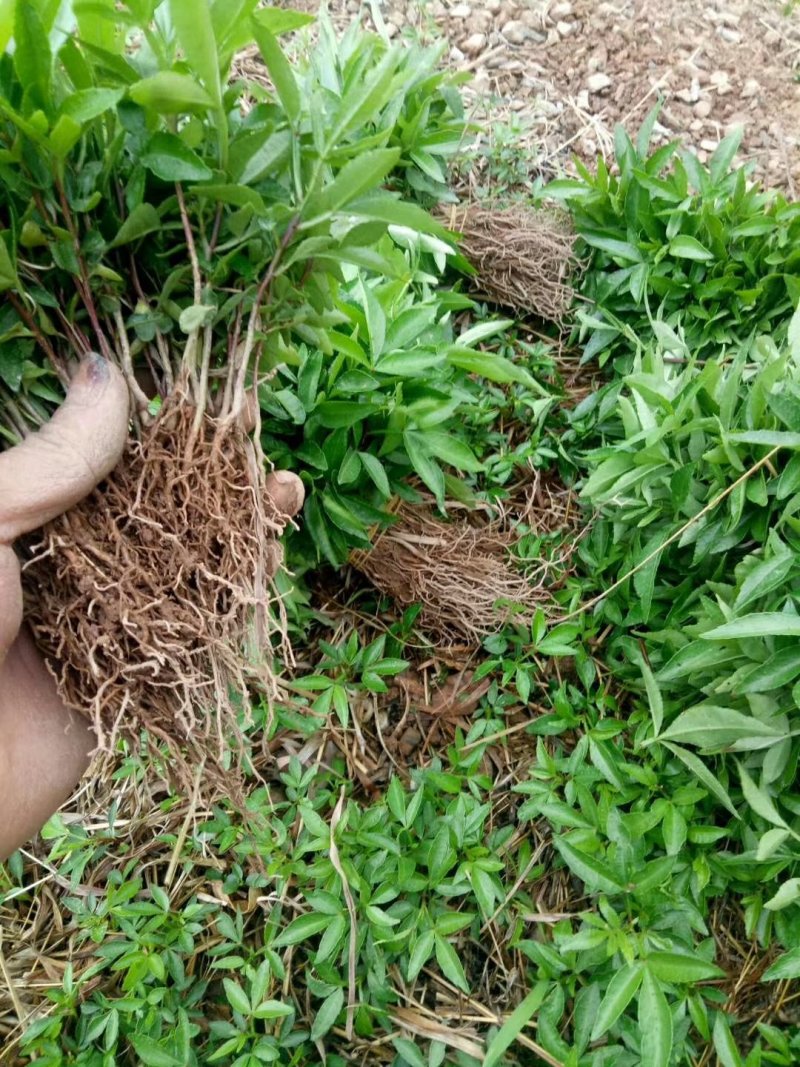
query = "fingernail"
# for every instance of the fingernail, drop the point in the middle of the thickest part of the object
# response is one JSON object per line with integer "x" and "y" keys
{"x": 95, "y": 369}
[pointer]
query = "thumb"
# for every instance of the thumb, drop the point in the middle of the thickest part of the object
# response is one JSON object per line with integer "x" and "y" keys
{"x": 53, "y": 469}
{"x": 10, "y": 599}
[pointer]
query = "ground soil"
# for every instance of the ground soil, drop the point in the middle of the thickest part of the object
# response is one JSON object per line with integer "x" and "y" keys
{"x": 569, "y": 70}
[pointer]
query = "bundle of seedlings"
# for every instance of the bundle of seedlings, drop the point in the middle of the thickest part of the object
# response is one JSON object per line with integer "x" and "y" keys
{"x": 194, "y": 243}
{"x": 523, "y": 257}
{"x": 464, "y": 571}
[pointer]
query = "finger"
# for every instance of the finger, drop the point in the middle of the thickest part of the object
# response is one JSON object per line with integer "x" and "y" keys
{"x": 60, "y": 464}
{"x": 286, "y": 492}
{"x": 10, "y": 600}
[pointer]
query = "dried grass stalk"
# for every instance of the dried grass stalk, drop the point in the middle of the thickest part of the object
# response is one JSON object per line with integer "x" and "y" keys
{"x": 523, "y": 256}
{"x": 462, "y": 572}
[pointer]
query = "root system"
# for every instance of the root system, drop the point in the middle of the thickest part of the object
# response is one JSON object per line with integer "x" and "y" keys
{"x": 464, "y": 574}
{"x": 152, "y": 600}
{"x": 523, "y": 257}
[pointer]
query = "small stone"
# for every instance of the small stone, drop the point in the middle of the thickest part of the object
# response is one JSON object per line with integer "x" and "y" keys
{"x": 566, "y": 28}
{"x": 772, "y": 37}
{"x": 596, "y": 83}
{"x": 729, "y": 35}
{"x": 708, "y": 145}
{"x": 582, "y": 100}
{"x": 721, "y": 82}
{"x": 460, "y": 11}
{"x": 456, "y": 55}
{"x": 561, "y": 10}
{"x": 516, "y": 32}
{"x": 494, "y": 7}
{"x": 391, "y": 30}
{"x": 695, "y": 126}
{"x": 750, "y": 88}
{"x": 702, "y": 109}
{"x": 474, "y": 45}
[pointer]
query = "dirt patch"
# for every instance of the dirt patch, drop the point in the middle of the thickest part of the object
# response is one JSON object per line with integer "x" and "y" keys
{"x": 566, "y": 71}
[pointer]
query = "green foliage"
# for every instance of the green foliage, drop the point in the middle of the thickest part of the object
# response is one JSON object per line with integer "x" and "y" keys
{"x": 669, "y": 239}
{"x": 297, "y": 198}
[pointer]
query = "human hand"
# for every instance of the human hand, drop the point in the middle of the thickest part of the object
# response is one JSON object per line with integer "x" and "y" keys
{"x": 45, "y": 746}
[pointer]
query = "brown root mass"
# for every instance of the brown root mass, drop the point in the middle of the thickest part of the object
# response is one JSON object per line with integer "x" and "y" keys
{"x": 463, "y": 574}
{"x": 152, "y": 600}
{"x": 523, "y": 256}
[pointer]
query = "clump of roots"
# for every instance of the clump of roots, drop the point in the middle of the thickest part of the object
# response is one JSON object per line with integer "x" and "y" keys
{"x": 465, "y": 574}
{"x": 523, "y": 256}
{"x": 152, "y": 600}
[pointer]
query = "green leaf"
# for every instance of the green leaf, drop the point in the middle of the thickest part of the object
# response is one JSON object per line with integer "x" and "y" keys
{"x": 780, "y": 669}
{"x": 712, "y": 727}
{"x": 771, "y": 438}
{"x": 428, "y": 470}
{"x": 237, "y": 998}
{"x": 32, "y": 57}
{"x": 355, "y": 178}
{"x": 169, "y": 159}
{"x": 195, "y": 33}
{"x": 170, "y": 93}
{"x": 593, "y": 872}
{"x": 489, "y": 365}
{"x": 724, "y": 154}
{"x": 151, "y": 1054}
{"x": 88, "y": 104}
{"x": 420, "y": 954}
{"x": 675, "y": 968}
{"x": 724, "y": 1043}
{"x": 272, "y": 1009}
{"x": 450, "y": 964}
{"x": 142, "y": 220}
{"x": 279, "y": 69}
{"x": 759, "y": 624}
{"x": 704, "y": 775}
{"x": 409, "y": 1052}
{"x": 328, "y": 1013}
{"x": 8, "y": 273}
{"x": 760, "y": 801}
{"x": 278, "y": 20}
{"x": 655, "y": 1024}
{"x": 620, "y": 992}
{"x": 769, "y": 843}
{"x": 654, "y": 698}
{"x": 785, "y": 967}
{"x": 515, "y": 1024}
{"x": 763, "y": 578}
{"x": 685, "y": 247}
{"x": 377, "y": 473}
{"x": 451, "y": 450}
{"x": 788, "y": 893}
{"x": 409, "y": 364}
{"x": 301, "y": 929}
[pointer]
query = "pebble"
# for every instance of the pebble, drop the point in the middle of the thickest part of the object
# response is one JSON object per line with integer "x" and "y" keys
{"x": 750, "y": 88}
{"x": 494, "y": 7}
{"x": 391, "y": 30}
{"x": 566, "y": 28}
{"x": 708, "y": 145}
{"x": 560, "y": 11}
{"x": 474, "y": 45}
{"x": 515, "y": 32}
{"x": 721, "y": 82}
{"x": 456, "y": 55}
{"x": 702, "y": 109}
{"x": 596, "y": 83}
{"x": 460, "y": 11}
{"x": 582, "y": 100}
{"x": 729, "y": 35}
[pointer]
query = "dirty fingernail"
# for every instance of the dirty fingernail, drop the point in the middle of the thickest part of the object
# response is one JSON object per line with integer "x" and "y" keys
{"x": 95, "y": 369}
